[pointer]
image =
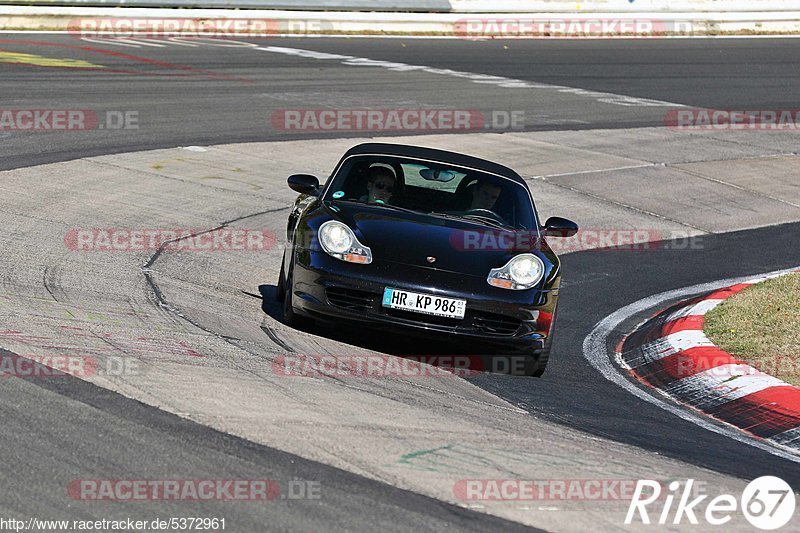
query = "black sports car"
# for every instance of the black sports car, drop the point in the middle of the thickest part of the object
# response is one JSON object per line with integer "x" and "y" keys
{"x": 404, "y": 236}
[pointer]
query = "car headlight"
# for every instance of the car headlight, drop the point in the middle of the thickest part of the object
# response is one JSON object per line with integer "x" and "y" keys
{"x": 340, "y": 242}
{"x": 521, "y": 272}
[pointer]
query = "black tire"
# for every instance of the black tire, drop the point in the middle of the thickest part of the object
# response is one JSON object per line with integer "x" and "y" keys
{"x": 535, "y": 366}
{"x": 290, "y": 318}
{"x": 540, "y": 364}
{"x": 280, "y": 288}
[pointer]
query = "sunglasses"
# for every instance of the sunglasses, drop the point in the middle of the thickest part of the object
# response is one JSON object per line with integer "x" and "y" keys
{"x": 383, "y": 186}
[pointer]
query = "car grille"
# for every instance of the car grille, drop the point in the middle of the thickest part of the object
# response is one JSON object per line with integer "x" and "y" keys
{"x": 496, "y": 324}
{"x": 423, "y": 318}
{"x": 350, "y": 299}
{"x": 483, "y": 322}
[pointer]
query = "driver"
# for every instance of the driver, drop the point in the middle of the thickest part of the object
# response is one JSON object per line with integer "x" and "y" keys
{"x": 485, "y": 195}
{"x": 380, "y": 186}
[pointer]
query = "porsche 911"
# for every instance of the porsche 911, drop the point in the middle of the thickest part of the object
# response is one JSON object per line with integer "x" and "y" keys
{"x": 445, "y": 244}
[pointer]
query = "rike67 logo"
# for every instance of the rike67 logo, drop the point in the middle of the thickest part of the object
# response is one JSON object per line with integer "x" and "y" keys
{"x": 767, "y": 503}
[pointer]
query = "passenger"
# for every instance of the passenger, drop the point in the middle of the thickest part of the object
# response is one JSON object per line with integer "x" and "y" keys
{"x": 485, "y": 195}
{"x": 380, "y": 186}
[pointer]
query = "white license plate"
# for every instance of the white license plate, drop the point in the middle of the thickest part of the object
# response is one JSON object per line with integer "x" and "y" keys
{"x": 428, "y": 304}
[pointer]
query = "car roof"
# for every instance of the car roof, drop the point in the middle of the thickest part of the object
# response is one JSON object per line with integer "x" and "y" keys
{"x": 433, "y": 154}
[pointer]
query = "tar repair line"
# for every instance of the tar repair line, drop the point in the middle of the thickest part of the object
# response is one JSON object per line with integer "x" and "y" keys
{"x": 500, "y": 81}
{"x": 595, "y": 351}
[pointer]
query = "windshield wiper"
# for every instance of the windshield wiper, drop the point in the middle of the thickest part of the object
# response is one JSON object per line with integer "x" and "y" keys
{"x": 390, "y": 206}
{"x": 490, "y": 221}
{"x": 475, "y": 218}
{"x": 397, "y": 207}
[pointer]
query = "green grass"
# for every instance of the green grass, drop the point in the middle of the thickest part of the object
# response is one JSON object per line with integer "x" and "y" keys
{"x": 761, "y": 325}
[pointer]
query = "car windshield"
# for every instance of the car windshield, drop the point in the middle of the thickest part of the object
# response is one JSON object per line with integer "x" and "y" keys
{"x": 438, "y": 189}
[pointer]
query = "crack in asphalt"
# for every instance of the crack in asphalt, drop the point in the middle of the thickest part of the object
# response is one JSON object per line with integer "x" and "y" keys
{"x": 162, "y": 303}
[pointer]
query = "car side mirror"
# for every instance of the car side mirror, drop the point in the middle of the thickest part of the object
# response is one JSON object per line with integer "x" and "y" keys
{"x": 303, "y": 183}
{"x": 560, "y": 227}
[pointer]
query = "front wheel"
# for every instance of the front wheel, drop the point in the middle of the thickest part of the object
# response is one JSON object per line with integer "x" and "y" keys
{"x": 536, "y": 366}
{"x": 280, "y": 289}
{"x": 290, "y": 317}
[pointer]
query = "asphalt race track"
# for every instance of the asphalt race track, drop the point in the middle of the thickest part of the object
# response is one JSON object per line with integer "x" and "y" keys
{"x": 218, "y": 413}
{"x": 183, "y": 100}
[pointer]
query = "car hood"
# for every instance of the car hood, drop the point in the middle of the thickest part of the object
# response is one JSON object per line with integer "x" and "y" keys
{"x": 426, "y": 241}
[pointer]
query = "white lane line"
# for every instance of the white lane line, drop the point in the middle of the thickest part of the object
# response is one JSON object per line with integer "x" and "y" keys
{"x": 174, "y": 40}
{"x": 140, "y": 42}
{"x": 211, "y": 41}
{"x": 762, "y": 278}
{"x": 592, "y": 171}
{"x": 596, "y": 352}
{"x": 159, "y": 42}
{"x": 113, "y": 42}
{"x": 500, "y": 81}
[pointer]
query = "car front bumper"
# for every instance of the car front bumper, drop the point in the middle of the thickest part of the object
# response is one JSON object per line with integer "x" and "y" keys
{"x": 328, "y": 289}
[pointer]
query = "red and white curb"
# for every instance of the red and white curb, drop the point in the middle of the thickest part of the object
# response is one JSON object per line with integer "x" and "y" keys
{"x": 670, "y": 352}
